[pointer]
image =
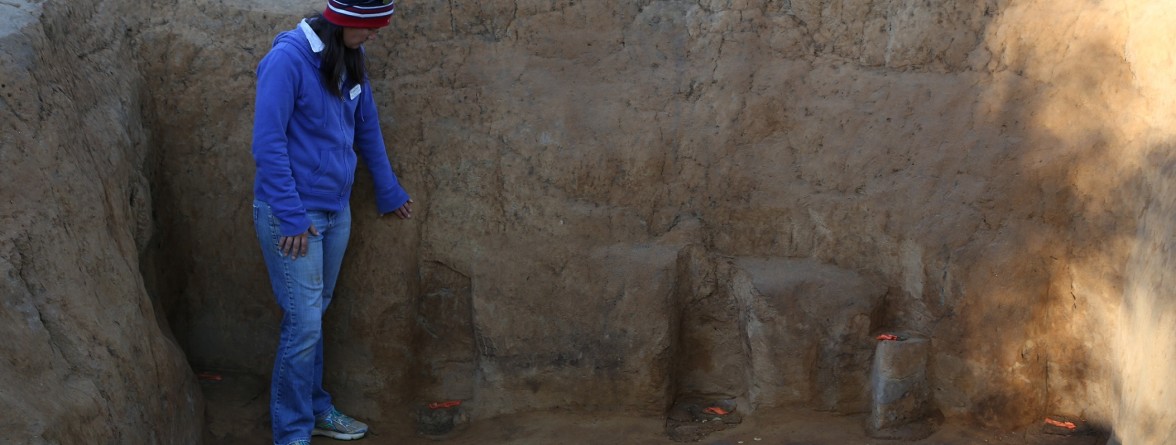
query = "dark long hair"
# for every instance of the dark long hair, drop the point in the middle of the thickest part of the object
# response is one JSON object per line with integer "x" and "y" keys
{"x": 337, "y": 59}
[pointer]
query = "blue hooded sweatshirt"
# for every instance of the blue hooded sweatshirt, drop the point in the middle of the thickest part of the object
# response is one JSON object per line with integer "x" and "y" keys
{"x": 305, "y": 138}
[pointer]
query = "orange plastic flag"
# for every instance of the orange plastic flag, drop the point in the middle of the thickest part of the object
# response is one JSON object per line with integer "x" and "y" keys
{"x": 448, "y": 404}
{"x": 715, "y": 410}
{"x": 1067, "y": 425}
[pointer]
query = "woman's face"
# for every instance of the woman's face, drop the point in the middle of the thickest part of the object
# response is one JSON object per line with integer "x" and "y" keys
{"x": 355, "y": 37}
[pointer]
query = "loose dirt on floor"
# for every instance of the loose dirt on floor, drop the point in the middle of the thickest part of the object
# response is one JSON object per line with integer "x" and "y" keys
{"x": 237, "y": 414}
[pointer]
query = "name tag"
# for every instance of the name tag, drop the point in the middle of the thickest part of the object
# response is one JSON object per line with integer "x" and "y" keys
{"x": 355, "y": 91}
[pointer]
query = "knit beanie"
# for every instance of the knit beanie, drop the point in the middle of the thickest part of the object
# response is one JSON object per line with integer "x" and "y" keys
{"x": 359, "y": 13}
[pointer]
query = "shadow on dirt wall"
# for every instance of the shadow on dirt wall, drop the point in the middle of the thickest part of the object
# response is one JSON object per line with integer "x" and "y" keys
{"x": 204, "y": 268}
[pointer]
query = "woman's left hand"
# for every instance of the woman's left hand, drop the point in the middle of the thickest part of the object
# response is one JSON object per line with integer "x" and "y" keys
{"x": 405, "y": 211}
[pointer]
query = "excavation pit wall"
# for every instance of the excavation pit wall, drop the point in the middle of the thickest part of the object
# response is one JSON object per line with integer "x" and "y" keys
{"x": 596, "y": 182}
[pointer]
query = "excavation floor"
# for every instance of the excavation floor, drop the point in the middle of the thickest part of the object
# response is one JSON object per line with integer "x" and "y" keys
{"x": 236, "y": 413}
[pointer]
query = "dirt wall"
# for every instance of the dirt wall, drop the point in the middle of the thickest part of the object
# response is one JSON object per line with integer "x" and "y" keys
{"x": 597, "y": 180}
{"x": 87, "y": 358}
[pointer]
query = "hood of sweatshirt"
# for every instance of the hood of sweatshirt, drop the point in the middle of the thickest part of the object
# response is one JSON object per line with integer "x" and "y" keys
{"x": 304, "y": 41}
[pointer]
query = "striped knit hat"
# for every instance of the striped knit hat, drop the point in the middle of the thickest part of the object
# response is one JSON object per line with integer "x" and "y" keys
{"x": 359, "y": 13}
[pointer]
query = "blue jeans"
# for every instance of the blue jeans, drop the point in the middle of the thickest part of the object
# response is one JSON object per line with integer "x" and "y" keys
{"x": 303, "y": 287}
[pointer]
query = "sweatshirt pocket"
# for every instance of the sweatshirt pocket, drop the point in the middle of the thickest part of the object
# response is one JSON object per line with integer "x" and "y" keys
{"x": 335, "y": 172}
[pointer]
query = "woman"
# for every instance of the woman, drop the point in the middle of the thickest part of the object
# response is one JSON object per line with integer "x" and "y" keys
{"x": 314, "y": 111}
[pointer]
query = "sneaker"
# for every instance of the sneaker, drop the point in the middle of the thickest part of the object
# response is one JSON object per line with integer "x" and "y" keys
{"x": 337, "y": 425}
{"x": 299, "y": 442}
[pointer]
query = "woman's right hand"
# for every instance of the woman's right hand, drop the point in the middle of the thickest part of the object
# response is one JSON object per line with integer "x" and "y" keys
{"x": 296, "y": 245}
{"x": 405, "y": 211}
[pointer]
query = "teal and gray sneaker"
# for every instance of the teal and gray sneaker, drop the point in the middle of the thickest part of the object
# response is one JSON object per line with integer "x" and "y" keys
{"x": 337, "y": 425}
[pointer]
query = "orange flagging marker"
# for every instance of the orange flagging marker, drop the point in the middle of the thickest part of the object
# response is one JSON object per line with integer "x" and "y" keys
{"x": 448, "y": 404}
{"x": 715, "y": 410}
{"x": 1066, "y": 425}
